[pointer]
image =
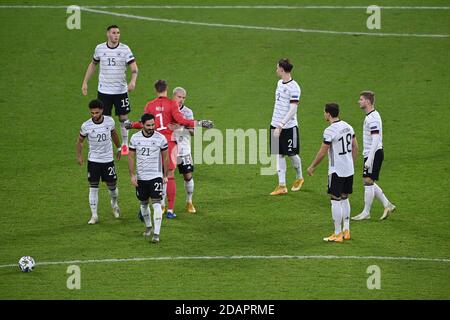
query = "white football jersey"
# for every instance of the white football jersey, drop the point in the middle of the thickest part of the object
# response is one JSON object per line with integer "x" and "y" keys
{"x": 285, "y": 94}
{"x": 339, "y": 136}
{"x": 372, "y": 124}
{"x": 113, "y": 66}
{"x": 182, "y": 136}
{"x": 99, "y": 138}
{"x": 148, "y": 154}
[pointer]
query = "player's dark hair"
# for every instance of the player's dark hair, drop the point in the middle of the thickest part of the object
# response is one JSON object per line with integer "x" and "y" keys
{"x": 112, "y": 27}
{"x": 286, "y": 65}
{"x": 333, "y": 109}
{"x": 369, "y": 95}
{"x": 161, "y": 86}
{"x": 147, "y": 116}
{"x": 96, "y": 104}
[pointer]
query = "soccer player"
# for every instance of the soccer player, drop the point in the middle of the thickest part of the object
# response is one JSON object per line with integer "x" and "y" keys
{"x": 114, "y": 57}
{"x": 284, "y": 138}
{"x": 167, "y": 112}
{"x": 373, "y": 157}
{"x": 147, "y": 147}
{"x": 182, "y": 136}
{"x": 340, "y": 142}
{"x": 99, "y": 130}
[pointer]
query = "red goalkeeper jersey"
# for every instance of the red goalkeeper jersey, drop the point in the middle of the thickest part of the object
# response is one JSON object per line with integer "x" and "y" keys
{"x": 166, "y": 111}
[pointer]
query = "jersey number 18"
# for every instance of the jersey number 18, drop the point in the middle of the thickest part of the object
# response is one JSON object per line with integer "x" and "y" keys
{"x": 348, "y": 147}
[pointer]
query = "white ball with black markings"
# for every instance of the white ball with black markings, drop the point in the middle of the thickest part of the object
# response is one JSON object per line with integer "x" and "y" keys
{"x": 26, "y": 264}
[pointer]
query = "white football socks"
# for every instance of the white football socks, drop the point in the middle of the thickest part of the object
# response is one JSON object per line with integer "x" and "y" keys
{"x": 281, "y": 169}
{"x": 145, "y": 211}
{"x": 93, "y": 201}
{"x": 124, "y": 132}
{"x": 346, "y": 213}
{"x": 369, "y": 194}
{"x": 163, "y": 201}
{"x": 297, "y": 164}
{"x": 114, "y": 193}
{"x": 380, "y": 195}
{"x": 189, "y": 188}
{"x": 157, "y": 217}
{"x": 336, "y": 212}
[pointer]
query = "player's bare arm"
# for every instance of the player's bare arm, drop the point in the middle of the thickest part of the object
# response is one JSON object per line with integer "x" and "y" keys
{"x": 116, "y": 140}
{"x": 131, "y": 167}
{"x": 80, "y": 141}
{"x": 89, "y": 73}
{"x": 134, "y": 73}
{"x": 165, "y": 155}
{"x": 354, "y": 149}
{"x": 375, "y": 141}
{"x": 319, "y": 157}
{"x": 293, "y": 106}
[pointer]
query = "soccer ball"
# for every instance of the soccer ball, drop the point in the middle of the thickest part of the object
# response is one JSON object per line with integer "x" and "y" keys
{"x": 26, "y": 264}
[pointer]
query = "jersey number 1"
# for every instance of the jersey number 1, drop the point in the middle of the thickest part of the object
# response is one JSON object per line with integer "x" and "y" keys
{"x": 161, "y": 122}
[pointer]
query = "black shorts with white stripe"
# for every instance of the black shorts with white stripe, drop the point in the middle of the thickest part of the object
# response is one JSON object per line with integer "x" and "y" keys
{"x": 288, "y": 144}
{"x": 104, "y": 171}
{"x": 374, "y": 172}
{"x": 150, "y": 189}
{"x": 121, "y": 103}
{"x": 337, "y": 186}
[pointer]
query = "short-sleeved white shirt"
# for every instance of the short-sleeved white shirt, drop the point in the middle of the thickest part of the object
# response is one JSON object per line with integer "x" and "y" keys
{"x": 99, "y": 139}
{"x": 148, "y": 154}
{"x": 182, "y": 136}
{"x": 372, "y": 125}
{"x": 285, "y": 94}
{"x": 113, "y": 66}
{"x": 339, "y": 136}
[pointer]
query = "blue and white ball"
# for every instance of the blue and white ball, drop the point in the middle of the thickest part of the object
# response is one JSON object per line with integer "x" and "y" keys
{"x": 26, "y": 264}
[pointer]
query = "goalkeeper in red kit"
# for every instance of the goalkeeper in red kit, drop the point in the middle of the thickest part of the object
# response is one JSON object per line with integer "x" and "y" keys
{"x": 166, "y": 112}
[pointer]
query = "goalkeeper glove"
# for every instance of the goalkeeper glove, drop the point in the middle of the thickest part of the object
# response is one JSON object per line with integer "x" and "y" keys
{"x": 208, "y": 124}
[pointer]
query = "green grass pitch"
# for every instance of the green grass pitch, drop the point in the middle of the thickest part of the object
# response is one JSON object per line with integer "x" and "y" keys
{"x": 230, "y": 77}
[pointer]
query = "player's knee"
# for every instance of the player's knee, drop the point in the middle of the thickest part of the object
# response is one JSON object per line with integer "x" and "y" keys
{"x": 344, "y": 196}
{"x": 144, "y": 203}
{"x": 156, "y": 201}
{"x": 333, "y": 197}
{"x": 368, "y": 181}
{"x": 111, "y": 185}
{"x": 187, "y": 177}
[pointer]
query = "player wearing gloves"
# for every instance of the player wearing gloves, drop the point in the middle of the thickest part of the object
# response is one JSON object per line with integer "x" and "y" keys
{"x": 166, "y": 112}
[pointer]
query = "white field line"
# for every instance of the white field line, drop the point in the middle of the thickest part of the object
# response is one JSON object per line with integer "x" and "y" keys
{"x": 284, "y": 257}
{"x": 221, "y": 7}
{"x": 238, "y": 26}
